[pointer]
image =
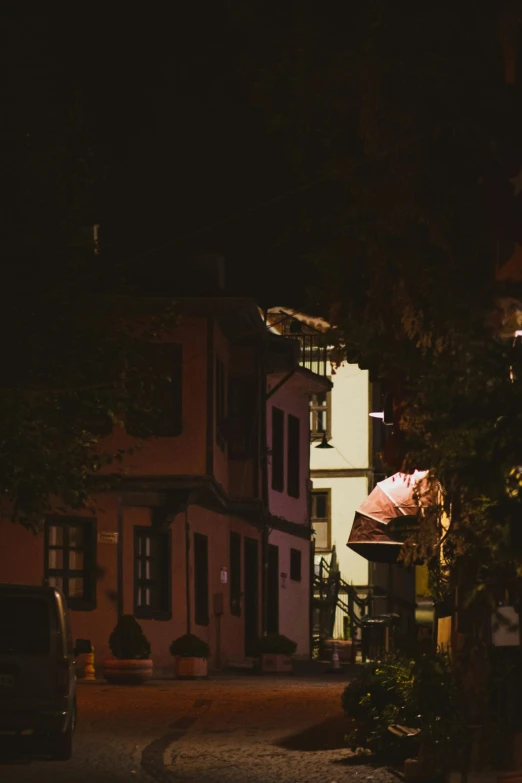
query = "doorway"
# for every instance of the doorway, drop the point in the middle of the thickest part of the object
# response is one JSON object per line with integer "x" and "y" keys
{"x": 272, "y": 598}
{"x": 251, "y": 600}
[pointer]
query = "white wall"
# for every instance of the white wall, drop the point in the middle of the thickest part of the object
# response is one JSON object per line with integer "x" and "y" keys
{"x": 350, "y": 426}
{"x": 346, "y": 495}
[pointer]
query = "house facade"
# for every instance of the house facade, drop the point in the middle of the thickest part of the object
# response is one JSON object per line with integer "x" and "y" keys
{"x": 289, "y": 540}
{"x": 183, "y": 536}
{"x": 345, "y": 464}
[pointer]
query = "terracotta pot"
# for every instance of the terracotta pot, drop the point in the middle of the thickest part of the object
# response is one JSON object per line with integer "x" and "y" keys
{"x": 190, "y": 667}
{"x": 275, "y": 662}
{"x": 127, "y": 672}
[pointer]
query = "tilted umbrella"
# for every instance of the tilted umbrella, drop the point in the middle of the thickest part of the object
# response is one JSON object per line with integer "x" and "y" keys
{"x": 398, "y": 496}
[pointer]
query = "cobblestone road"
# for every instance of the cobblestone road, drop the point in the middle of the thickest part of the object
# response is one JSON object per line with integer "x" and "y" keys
{"x": 223, "y": 730}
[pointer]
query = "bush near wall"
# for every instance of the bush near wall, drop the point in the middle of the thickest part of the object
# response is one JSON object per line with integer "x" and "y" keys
{"x": 421, "y": 694}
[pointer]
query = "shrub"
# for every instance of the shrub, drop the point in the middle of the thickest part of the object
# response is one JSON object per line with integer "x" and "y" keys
{"x": 276, "y": 643}
{"x": 189, "y": 646}
{"x": 420, "y": 694}
{"x": 127, "y": 641}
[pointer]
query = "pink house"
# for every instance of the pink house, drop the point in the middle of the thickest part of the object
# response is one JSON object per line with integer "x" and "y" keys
{"x": 200, "y": 531}
{"x": 289, "y": 548}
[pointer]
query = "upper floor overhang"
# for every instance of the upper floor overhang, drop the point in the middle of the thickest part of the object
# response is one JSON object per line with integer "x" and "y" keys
{"x": 300, "y": 380}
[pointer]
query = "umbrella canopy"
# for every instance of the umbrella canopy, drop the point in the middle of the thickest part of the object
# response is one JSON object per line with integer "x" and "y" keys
{"x": 398, "y": 496}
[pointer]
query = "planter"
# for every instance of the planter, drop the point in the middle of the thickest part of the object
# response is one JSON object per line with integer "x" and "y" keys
{"x": 126, "y": 671}
{"x": 190, "y": 668}
{"x": 275, "y": 662}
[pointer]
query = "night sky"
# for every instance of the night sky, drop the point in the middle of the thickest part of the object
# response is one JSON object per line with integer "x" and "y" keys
{"x": 178, "y": 143}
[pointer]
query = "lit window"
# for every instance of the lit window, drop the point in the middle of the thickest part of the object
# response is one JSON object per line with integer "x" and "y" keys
{"x": 70, "y": 559}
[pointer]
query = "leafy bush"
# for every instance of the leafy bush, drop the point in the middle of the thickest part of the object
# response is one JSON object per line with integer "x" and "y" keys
{"x": 274, "y": 643}
{"x": 189, "y": 646}
{"x": 127, "y": 641}
{"x": 420, "y": 694}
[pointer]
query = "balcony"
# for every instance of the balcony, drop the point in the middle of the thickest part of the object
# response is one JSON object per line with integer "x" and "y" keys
{"x": 313, "y": 348}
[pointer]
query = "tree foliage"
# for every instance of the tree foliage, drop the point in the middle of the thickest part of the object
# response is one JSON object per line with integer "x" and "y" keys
{"x": 67, "y": 348}
{"x": 409, "y": 112}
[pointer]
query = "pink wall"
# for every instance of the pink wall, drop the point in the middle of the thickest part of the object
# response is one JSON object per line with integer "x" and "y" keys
{"x": 22, "y": 562}
{"x": 221, "y": 350}
{"x": 186, "y": 453}
{"x": 292, "y": 400}
{"x": 294, "y": 597}
{"x": 245, "y": 474}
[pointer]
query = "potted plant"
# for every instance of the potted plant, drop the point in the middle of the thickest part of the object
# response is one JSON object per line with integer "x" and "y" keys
{"x": 131, "y": 664}
{"x": 275, "y": 653}
{"x": 190, "y": 656}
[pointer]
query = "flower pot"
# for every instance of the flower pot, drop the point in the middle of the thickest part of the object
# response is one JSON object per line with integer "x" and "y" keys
{"x": 275, "y": 662}
{"x": 126, "y": 671}
{"x": 190, "y": 668}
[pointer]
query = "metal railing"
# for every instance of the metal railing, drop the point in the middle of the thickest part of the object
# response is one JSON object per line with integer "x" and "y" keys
{"x": 356, "y": 602}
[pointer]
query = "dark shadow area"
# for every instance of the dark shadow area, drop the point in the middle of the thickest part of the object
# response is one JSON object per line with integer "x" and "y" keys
{"x": 18, "y": 750}
{"x": 365, "y": 760}
{"x": 328, "y": 735}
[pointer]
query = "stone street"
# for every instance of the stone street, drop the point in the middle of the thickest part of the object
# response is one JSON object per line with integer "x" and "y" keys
{"x": 237, "y": 729}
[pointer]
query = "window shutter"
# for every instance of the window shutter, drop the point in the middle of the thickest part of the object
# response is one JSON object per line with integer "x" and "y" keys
{"x": 293, "y": 456}
{"x": 235, "y": 574}
{"x": 201, "y": 579}
{"x": 278, "y": 449}
{"x": 155, "y": 387}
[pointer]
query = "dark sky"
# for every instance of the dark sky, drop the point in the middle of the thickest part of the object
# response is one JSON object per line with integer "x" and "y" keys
{"x": 178, "y": 144}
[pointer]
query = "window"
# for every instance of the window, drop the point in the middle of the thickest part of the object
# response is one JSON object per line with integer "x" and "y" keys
{"x": 221, "y": 397}
{"x": 242, "y": 421}
{"x": 293, "y": 456}
{"x": 278, "y": 450}
{"x": 201, "y": 579}
{"x": 295, "y": 565}
{"x": 155, "y": 388}
{"x": 70, "y": 559}
{"x": 152, "y": 574}
{"x": 320, "y": 416}
{"x": 321, "y": 519}
{"x": 235, "y": 574}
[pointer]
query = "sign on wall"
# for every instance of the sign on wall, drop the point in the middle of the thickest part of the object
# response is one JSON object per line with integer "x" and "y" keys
{"x": 107, "y": 537}
{"x": 224, "y": 575}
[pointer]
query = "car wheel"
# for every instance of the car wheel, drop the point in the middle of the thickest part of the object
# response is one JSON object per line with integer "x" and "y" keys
{"x": 61, "y": 744}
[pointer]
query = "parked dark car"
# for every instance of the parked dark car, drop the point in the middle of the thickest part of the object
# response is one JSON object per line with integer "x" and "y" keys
{"x": 37, "y": 668}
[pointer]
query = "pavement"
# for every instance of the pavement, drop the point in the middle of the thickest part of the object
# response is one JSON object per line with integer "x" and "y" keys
{"x": 229, "y": 728}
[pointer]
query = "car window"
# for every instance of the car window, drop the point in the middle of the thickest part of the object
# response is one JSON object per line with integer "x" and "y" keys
{"x": 24, "y": 625}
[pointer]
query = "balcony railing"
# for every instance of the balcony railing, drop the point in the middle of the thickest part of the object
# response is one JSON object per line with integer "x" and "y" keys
{"x": 313, "y": 349}
{"x": 313, "y": 354}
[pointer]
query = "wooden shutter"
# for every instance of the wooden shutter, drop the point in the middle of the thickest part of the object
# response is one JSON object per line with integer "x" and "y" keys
{"x": 293, "y": 456}
{"x": 201, "y": 579}
{"x": 235, "y": 574}
{"x": 278, "y": 449}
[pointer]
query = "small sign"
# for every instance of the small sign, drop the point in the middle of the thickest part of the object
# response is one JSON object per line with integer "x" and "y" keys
{"x": 107, "y": 537}
{"x": 224, "y": 575}
{"x": 505, "y": 627}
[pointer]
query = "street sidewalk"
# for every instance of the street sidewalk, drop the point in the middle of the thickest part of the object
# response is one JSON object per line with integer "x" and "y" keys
{"x": 303, "y": 670}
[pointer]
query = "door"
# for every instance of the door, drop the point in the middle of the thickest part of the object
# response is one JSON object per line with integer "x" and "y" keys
{"x": 251, "y": 602}
{"x": 272, "y": 620}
